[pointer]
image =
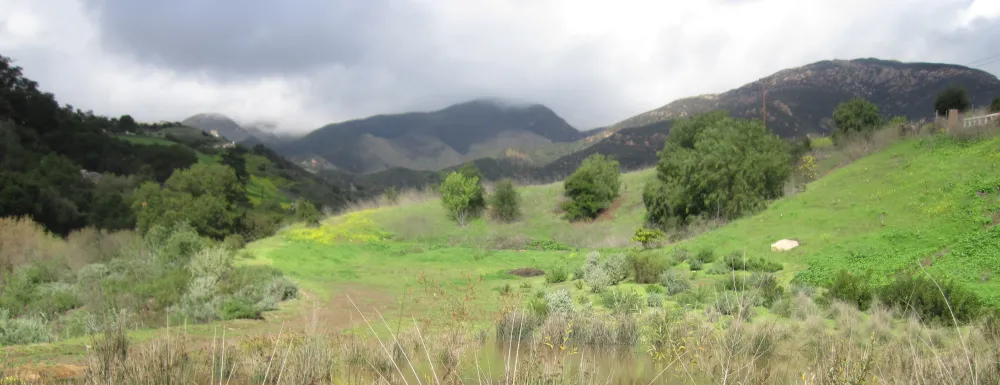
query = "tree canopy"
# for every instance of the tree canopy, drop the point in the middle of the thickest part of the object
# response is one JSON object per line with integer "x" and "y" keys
{"x": 953, "y": 97}
{"x": 205, "y": 196}
{"x": 593, "y": 187}
{"x": 715, "y": 166}
{"x": 856, "y": 116}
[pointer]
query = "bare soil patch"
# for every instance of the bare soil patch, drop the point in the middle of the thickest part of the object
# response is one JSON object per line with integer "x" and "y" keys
{"x": 527, "y": 272}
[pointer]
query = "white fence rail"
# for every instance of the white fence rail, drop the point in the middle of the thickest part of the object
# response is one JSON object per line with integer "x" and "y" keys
{"x": 981, "y": 120}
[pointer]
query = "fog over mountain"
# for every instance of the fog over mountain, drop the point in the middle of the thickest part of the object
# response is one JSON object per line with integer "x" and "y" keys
{"x": 306, "y": 64}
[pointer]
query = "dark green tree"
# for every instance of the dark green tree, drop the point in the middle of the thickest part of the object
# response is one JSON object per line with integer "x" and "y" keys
{"x": 953, "y": 97}
{"x": 855, "y": 116}
{"x": 306, "y": 212}
{"x": 593, "y": 187}
{"x": 234, "y": 158}
{"x": 204, "y": 196}
{"x": 126, "y": 123}
{"x": 995, "y": 106}
{"x": 716, "y": 166}
{"x": 505, "y": 201}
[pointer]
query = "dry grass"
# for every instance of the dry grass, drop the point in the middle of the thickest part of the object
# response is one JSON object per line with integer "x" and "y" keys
{"x": 23, "y": 241}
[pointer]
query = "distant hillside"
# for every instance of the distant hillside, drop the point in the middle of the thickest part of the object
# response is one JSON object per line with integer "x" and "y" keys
{"x": 801, "y": 100}
{"x": 248, "y": 134}
{"x": 431, "y": 140}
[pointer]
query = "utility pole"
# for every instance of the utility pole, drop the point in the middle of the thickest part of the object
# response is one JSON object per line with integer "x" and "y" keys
{"x": 763, "y": 91}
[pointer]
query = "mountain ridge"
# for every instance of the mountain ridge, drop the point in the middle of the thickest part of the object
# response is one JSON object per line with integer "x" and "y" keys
{"x": 430, "y": 140}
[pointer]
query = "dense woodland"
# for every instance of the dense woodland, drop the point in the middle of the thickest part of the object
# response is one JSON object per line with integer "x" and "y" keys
{"x": 68, "y": 169}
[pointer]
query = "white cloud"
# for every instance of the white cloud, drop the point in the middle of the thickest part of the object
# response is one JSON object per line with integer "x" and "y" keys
{"x": 593, "y": 62}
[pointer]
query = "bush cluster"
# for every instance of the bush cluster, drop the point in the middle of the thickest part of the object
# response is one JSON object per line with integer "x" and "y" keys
{"x": 592, "y": 187}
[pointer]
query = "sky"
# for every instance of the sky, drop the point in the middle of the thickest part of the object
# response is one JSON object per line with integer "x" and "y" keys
{"x": 300, "y": 64}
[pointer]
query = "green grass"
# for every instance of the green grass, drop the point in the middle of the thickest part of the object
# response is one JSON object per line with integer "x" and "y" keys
{"x": 916, "y": 201}
{"x": 541, "y": 220}
{"x": 147, "y": 140}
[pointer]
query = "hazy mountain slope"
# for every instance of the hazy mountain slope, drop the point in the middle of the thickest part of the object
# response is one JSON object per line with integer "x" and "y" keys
{"x": 248, "y": 134}
{"x": 801, "y": 100}
{"x": 431, "y": 140}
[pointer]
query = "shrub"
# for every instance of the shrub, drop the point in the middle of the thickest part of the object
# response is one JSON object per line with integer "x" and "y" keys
{"x": 460, "y": 196}
{"x": 646, "y": 236}
{"x": 807, "y": 168}
{"x": 855, "y": 117}
{"x": 597, "y": 279}
{"x": 539, "y": 307}
{"x": 697, "y": 264}
{"x": 623, "y": 301}
{"x": 647, "y": 267}
{"x": 995, "y": 106}
{"x": 674, "y": 281}
{"x": 922, "y": 296}
{"x": 21, "y": 331}
{"x": 54, "y": 298}
{"x": 557, "y": 274}
{"x": 850, "y": 288}
{"x": 559, "y": 302}
{"x": 505, "y": 201}
{"x": 654, "y": 288}
{"x": 239, "y": 307}
{"x": 737, "y": 262}
{"x": 680, "y": 255}
{"x": 765, "y": 286}
{"x": 306, "y": 212}
{"x": 700, "y": 174}
{"x": 736, "y": 304}
{"x": 392, "y": 195}
{"x": 654, "y": 300}
{"x": 617, "y": 267}
{"x": 592, "y": 187}
{"x": 234, "y": 242}
{"x": 212, "y": 262}
{"x": 705, "y": 255}
{"x": 953, "y": 97}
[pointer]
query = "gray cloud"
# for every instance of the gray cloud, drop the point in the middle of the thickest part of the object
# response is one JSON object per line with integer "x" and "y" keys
{"x": 304, "y": 63}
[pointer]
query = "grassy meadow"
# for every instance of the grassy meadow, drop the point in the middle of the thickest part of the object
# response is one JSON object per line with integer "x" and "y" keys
{"x": 398, "y": 293}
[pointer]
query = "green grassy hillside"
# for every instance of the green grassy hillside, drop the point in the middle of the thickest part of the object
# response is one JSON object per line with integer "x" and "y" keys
{"x": 926, "y": 201}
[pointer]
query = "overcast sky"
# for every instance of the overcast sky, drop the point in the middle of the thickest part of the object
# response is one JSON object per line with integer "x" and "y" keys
{"x": 305, "y": 63}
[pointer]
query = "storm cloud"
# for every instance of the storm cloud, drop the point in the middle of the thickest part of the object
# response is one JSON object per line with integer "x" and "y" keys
{"x": 304, "y": 63}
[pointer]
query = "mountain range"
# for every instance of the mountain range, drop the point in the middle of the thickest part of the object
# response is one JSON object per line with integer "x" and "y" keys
{"x": 532, "y": 141}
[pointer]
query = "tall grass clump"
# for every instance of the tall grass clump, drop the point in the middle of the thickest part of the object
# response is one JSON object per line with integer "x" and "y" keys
{"x": 647, "y": 266}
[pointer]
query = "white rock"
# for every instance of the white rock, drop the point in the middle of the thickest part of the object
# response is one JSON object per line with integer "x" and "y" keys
{"x": 784, "y": 245}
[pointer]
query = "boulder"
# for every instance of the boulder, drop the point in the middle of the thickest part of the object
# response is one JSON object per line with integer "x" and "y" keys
{"x": 784, "y": 245}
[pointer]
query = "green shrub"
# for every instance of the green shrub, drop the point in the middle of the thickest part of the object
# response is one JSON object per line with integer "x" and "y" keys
{"x": 700, "y": 295}
{"x": 461, "y": 196}
{"x": 623, "y": 301}
{"x": 505, "y": 202}
{"x": 306, "y": 212}
{"x": 705, "y": 255}
{"x": 54, "y": 298}
{"x": 592, "y": 187}
{"x": 697, "y": 264}
{"x": 765, "y": 286}
{"x": 646, "y": 236}
{"x": 654, "y": 300}
{"x": 855, "y": 117}
{"x": 647, "y": 267}
{"x": 680, "y": 255}
{"x": 234, "y": 242}
{"x": 715, "y": 166}
{"x": 547, "y": 245}
{"x": 736, "y": 304}
{"x": 559, "y": 302}
{"x": 847, "y": 287}
{"x": 675, "y": 282}
{"x": 557, "y": 274}
{"x": 238, "y": 307}
{"x": 392, "y": 195}
{"x": 995, "y": 106}
{"x": 654, "y": 288}
{"x": 617, "y": 267}
{"x": 597, "y": 278}
{"x": 505, "y": 289}
{"x": 21, "y": 331}
{"x": 538, "y": 306}
{"x": 921, "y": 295}
{"x": 737, "y": 262}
